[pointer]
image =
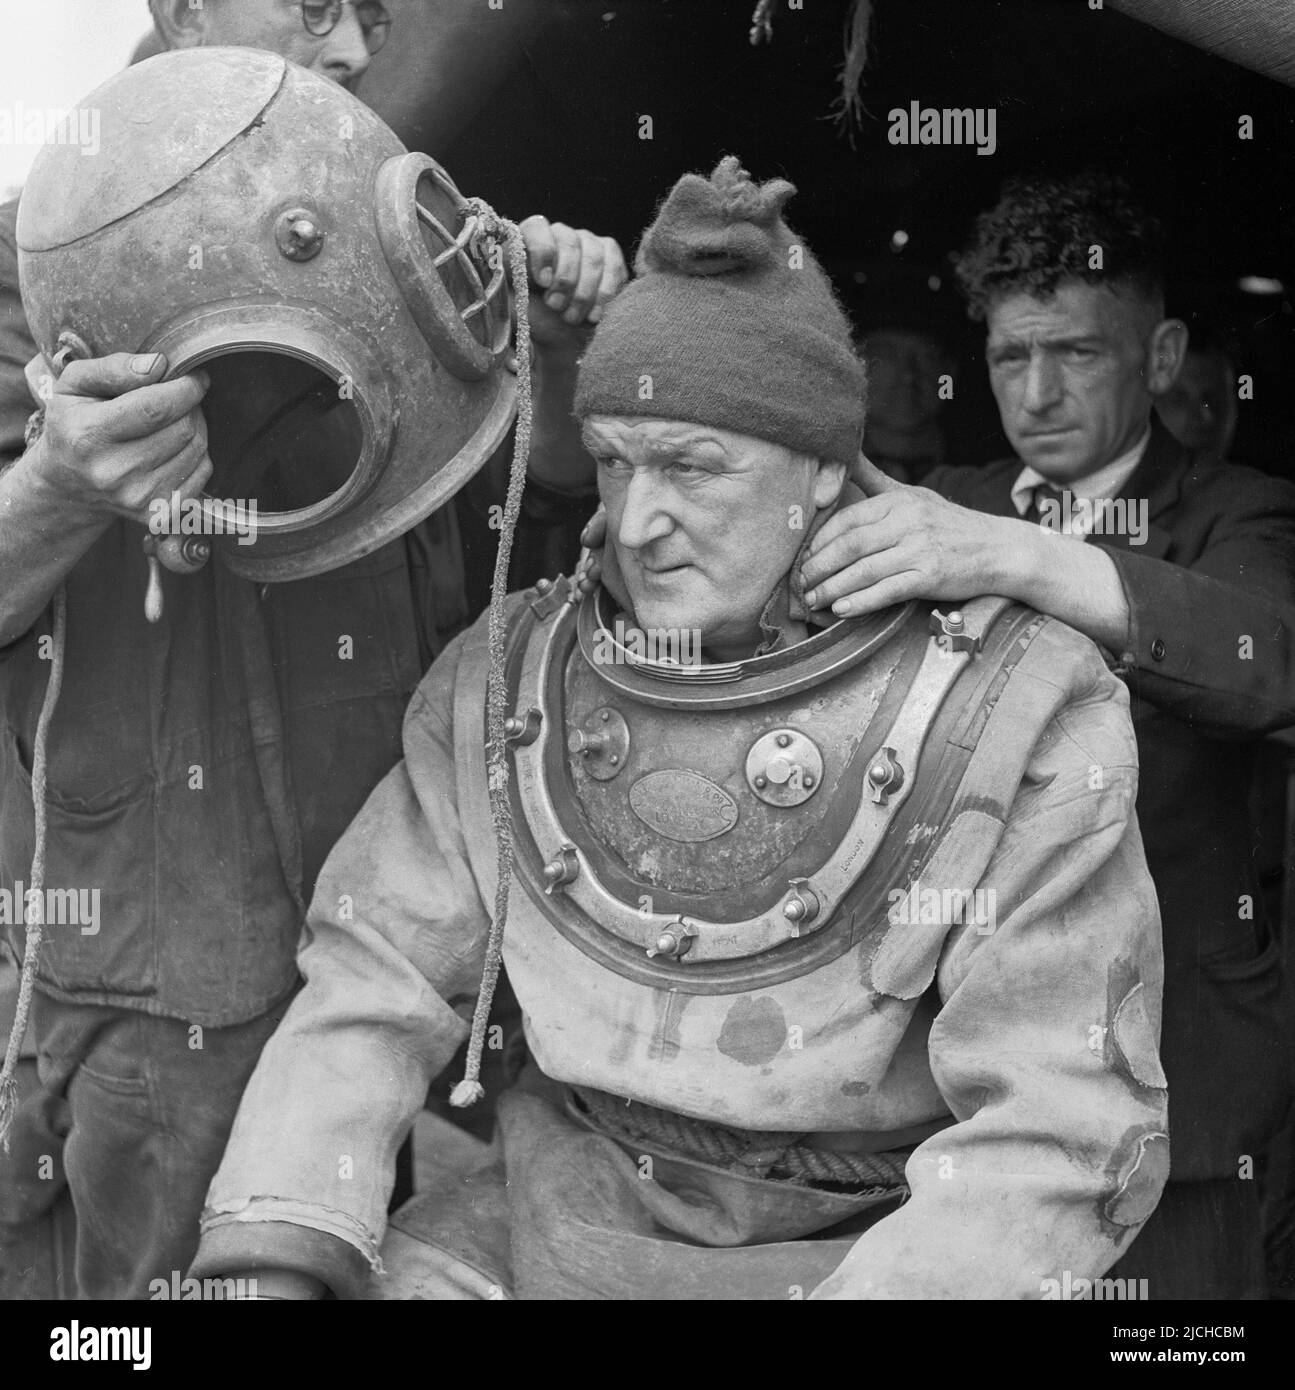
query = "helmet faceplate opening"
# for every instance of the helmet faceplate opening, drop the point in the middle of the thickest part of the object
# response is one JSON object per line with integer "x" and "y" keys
{"x": 281, "y": 432}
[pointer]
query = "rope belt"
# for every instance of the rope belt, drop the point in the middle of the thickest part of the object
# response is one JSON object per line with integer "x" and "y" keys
{"x": 756, "y": 1153}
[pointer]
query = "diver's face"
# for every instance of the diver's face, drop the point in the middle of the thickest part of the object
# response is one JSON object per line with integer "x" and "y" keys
{"x": 704, "y": 522}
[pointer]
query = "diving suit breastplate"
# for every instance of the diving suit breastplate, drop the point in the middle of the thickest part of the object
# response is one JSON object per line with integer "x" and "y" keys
{"x": 706, "y": 854}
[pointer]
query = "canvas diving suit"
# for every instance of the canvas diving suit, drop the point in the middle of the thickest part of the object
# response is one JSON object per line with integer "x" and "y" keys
{"x": 840, "y": 970}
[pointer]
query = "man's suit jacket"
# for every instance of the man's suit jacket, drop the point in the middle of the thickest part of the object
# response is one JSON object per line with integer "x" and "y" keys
{"x": 1210, "y": 665}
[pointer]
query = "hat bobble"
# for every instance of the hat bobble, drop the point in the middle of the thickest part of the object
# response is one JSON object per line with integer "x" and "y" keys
{"x": 726, "y": 224}
{"x": 730, "y": 322}
{"x": 746, "y": 201}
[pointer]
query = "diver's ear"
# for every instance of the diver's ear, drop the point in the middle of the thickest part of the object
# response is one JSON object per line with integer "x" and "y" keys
{"x": 828, "y": 482}
{"x": 178, "y": 23}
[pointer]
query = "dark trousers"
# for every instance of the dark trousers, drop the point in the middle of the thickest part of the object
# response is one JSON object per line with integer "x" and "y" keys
{"x": 1204, "y": 1241}
{"x": 129, "y": 1115}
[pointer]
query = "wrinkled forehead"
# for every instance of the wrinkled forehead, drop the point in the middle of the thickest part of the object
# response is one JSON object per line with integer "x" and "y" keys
{"x": 1077, "y": 309}
{"x": 653, "y": 435}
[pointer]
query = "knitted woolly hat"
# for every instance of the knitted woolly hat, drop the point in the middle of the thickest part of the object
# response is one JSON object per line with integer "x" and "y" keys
{"x": 730, "y": 321}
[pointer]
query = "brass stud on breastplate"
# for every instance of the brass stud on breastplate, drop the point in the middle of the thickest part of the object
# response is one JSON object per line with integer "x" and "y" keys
{"x": 523, "y": 728}
{"x": 801, "y": 904}
{"x": 950, "y": 632}
{"x": 584, "y": 744}
{"x": 885, "y": 776}
{"x": 601, "y": 742}
{"x": 562, "y": 868}
{"x": 674, "y": 942}
{"x": 546, "y": 597}
{"x": 784, "y": 767}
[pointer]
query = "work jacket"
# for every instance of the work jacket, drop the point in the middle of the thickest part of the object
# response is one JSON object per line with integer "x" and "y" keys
{"x": 1210, "y": 664}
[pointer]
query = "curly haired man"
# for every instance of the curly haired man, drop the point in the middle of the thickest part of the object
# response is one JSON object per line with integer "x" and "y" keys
{"x": 1184, "y": 571}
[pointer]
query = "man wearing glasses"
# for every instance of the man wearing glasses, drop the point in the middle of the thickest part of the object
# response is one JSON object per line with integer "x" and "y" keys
{"x": 335, "y": 38}
{"x": 138, "y": 1087}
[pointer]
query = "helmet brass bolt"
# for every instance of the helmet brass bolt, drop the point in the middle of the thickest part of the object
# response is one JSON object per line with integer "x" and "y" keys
{"x": 299, "y": 236}
{"x": 602, "y": 742}
{"x": 802, "y": 904}
{"x": 761, "y": 783}
{"x": 784, "y": 740}
{"x": 564, "y": 867}
{"x": 523, "y": 728}
{"x": 885, "y": 776}
{"x": 778, "y": 771}
{"x": 674, "y": 942}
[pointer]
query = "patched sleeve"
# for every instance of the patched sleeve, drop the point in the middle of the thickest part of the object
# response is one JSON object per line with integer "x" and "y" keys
{"x": 396, "y": 930}
{"x": 1045, "y": 1047}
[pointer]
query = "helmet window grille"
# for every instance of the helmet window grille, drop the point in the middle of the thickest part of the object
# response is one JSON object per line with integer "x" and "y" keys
{"x": 470, "y": 263}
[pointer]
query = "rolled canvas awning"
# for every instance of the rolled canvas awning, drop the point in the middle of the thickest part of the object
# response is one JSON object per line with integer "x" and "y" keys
{"x": 1257, "y": 34}
{"x": 420, "y": 77}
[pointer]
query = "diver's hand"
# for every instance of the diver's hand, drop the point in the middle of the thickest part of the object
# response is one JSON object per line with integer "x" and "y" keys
{"x": 573, "y": 275}
{"x": 903, "y": 542}
{"x": 593, "y": 538}
{"x": 116, "y": 436}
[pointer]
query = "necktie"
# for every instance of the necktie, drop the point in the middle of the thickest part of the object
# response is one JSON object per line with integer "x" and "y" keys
{"x": 1054, "y": 514}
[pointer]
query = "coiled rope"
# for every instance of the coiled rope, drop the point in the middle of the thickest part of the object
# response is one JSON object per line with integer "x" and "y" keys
{"x": 470, "y": 1089}
{"x": 753, "y": 1153}
{"x": 34, "y": 922}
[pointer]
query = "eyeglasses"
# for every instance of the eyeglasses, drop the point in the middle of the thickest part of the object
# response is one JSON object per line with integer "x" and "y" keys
{"x": 321, "y": 17}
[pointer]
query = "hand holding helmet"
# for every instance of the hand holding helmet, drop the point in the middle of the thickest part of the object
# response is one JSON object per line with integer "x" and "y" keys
{"x": 116, "y": 435}
{"x": 577, "y": 273}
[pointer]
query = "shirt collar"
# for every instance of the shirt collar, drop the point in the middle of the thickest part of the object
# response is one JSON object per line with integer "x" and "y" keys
{"x": 1103, "y": 483}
